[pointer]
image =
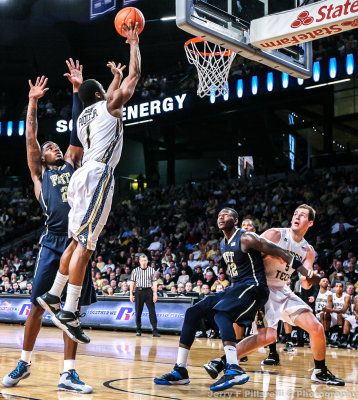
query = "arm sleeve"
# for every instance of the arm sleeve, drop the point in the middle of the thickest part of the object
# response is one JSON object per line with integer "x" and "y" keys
{"x": 133, "y": 276}
{"x": 77, "y": 108}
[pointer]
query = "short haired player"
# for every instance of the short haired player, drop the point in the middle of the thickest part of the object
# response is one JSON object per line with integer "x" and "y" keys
{"x": 100, "y": 131}
{"x": 238, "y": 303}
{"x": 51, "y": 173}
{"x": 283, "y": 303}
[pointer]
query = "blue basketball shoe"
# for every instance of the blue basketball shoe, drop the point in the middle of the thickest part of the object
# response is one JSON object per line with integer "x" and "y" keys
{"x": 234, "y": 375}
{"x": 179, "y": 376}
{"x": 22, "y": 371}
{"x": 70, "y": 381}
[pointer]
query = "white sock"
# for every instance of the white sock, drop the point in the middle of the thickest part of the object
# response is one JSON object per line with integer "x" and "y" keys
{"x": 59, "y": 284}
{"x": 26, "y": 356}
{"x": 231, "y": 355}
{"x": 182, "y": 359}
{"x": 68, "y": 364}
{"x": 72, "y": 298}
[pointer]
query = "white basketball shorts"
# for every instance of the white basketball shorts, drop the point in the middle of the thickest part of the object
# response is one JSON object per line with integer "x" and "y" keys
{"x": 352, "y": 320}
{"x": 283, "y": 305}
{"x": 89, "y": 195}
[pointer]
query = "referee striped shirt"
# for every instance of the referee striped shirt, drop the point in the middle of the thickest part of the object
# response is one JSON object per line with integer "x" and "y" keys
{"x": 143, "y": 278}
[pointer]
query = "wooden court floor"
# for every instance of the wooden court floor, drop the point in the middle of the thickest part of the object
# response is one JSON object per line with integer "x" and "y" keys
{"x": 120, "y": 365}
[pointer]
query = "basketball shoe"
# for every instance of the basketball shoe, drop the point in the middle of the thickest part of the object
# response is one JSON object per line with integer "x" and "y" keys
{"x": 69, "y": 322}
{"x": 179, "y": 376}
{"x": 325, "y": 376}
{"x": 22, "y": 371}
{"x": 234, "y": 375}
{"x": 272, "y": 359}
{"x": 289, "y": 347}
{"x": 49, "y": 302}
{"x": 70, "y": 381}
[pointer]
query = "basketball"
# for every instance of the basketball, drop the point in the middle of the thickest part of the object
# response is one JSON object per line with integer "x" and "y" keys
{"x": 129, "y": 13}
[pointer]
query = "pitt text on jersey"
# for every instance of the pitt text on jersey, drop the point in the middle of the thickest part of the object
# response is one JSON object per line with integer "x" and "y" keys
{"x": 229, "y": 259}
{"x": 64, "y": 180}
{"x": 87, "y": 117}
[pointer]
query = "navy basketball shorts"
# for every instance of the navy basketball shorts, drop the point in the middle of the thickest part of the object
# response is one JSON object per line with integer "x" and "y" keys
{"x": 241, "y": 301}
{"x": 46, "y": 267}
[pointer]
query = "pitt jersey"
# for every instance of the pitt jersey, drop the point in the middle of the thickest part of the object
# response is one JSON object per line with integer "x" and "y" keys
{"x": 242, "y": 266}
{"x": 53, "y": 197}
{"x": 100, "y": 134}
{"x": 277, "y": 271}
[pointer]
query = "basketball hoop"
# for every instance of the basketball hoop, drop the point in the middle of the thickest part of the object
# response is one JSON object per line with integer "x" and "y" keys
{"x": 213, "y": 63}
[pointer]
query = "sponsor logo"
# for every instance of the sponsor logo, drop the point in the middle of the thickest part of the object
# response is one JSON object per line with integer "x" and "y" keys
{"x": 303, "y": 37}
{"x": 25, "y": 309}
{"x": 303, "y": 18}
{"x": 327, "y": 12}
{"x": 125, "y": 313}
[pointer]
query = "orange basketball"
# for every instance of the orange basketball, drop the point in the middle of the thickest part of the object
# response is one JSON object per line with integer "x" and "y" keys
{"x": 129, "y": 13}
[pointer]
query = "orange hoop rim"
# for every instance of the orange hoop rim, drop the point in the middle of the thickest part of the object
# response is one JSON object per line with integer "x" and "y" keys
{"x": 225, "y": 53}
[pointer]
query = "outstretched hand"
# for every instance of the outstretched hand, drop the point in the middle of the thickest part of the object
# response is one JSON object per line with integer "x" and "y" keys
{"x": 131, "y": 32}
{"x": 116, "y": 69}
{"x": 75, "y": 74}
{"x": 39, "y": 89}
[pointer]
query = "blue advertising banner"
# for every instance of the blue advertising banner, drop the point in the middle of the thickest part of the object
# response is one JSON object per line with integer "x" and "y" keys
{"x": 108, "y": 312}
{"x": 101, "y": 7}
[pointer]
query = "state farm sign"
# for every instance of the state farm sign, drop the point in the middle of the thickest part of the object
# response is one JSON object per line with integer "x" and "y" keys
{"x": 304, "y": 24}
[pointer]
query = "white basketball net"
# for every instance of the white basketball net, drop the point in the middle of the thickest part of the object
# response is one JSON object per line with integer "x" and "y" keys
{"x": 213, "y": 63}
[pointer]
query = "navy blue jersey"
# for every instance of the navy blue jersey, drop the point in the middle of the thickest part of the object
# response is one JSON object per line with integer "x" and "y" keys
{"x": 242, "y": 266}
{"x": 53, "y": 200}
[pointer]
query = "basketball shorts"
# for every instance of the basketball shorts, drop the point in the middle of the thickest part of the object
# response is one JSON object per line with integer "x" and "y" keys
{"x": 352, "y": 320}
{"x": 334, "y": 319}
{"x": 89, "y": 195}
{"x": 240, "y": 301}
{"x": 283, "y": 305}
{"x": 46, "y": 267}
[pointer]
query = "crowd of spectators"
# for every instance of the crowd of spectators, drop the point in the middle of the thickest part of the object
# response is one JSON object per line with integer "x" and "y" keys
{"x": 176, "y": 228}
{"x": 19, "y": 213}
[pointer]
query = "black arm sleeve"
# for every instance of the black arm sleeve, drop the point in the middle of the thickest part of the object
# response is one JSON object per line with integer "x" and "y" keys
{"x": 77, "y": 108}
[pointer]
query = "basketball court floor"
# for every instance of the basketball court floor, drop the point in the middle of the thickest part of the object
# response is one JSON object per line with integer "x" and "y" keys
{"x": 120, "y": 365}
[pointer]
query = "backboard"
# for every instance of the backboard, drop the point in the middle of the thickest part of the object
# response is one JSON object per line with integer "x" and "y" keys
{"x": 227, "y": 23}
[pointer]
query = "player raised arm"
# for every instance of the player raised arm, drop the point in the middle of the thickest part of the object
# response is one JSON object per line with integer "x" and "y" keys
{"x": 250, "y": 240}
{"x": 118, "y": 97}
{"x": 75, "y": 150}
{"x": 37, "y": 91}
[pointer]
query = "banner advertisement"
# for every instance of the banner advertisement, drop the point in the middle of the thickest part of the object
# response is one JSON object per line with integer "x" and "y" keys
{"x": 110, "y": 313}
{"x": 304, "y": 24}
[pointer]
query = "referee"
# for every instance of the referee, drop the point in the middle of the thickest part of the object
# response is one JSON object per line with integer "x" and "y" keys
{"x": 143, "y": 277}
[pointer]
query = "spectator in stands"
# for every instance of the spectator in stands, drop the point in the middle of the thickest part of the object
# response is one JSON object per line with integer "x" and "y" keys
{"x": 100, "y": 264}
{"x": 221, "y": 281}
{"x": 198, "y": 286}
{"x": 155, "y": 245}
{"x": 168, "y": 281}
{"x": 126, "y": 275}
{"x": 205, "y": 291}
{"x": 160, "y": 291}
{"x": 188, "y": 287}
{"x": 198, "y": 274}
{"x": 183, "y": 277}
{"x": 181, "y": 289}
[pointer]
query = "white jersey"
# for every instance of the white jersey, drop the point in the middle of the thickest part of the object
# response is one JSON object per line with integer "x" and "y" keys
{"x": 338, "y": 302}
{"x": 322, "y": 300}
{"x": 277, "y": 271}
{"x": 100, "y": 134}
